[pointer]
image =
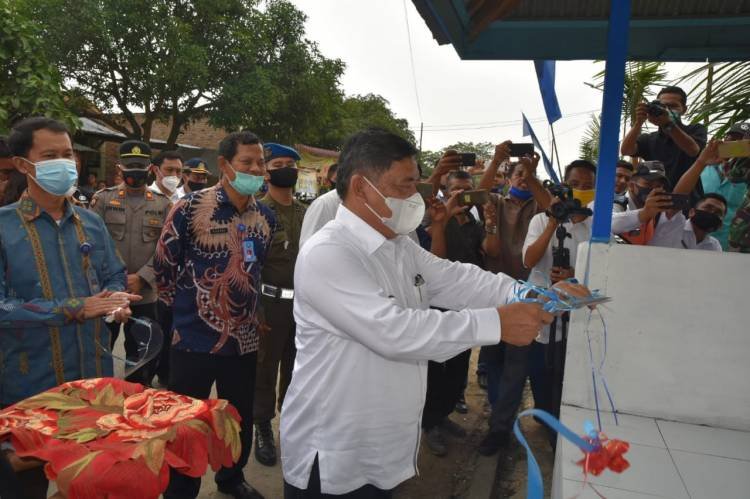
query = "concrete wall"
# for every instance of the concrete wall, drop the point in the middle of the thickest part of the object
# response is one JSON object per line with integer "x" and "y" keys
{"x": 678, "y": 334}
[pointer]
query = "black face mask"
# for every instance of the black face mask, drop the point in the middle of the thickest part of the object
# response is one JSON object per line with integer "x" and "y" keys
{"x": 284, "y": 177}
{"x": 135, "y": 178}
{"x": 706, "y": 220}
{"x": 196, "y": 186}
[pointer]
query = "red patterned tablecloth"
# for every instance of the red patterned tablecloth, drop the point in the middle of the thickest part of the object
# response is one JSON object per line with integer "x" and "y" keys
{"x": 109, "y": 438}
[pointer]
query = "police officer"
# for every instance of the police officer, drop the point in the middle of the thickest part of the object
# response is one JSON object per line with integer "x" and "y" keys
{"x": 277, "y": 297}
{"x": 134, "y": 216}
{"x": 195, "y": 175}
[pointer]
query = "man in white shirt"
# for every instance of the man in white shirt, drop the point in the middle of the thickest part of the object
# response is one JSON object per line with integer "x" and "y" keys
{"x": 350, "y": 424}
{"x": 167, "y": 167}
{"x": 693, "y": 232}
{"x": 320, "y": 212}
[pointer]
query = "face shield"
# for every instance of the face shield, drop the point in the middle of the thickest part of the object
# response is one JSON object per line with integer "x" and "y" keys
{"x": 149, "y": 340}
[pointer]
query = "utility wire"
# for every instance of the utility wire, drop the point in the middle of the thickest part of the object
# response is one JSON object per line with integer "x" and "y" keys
{"x": 411, "y": 59}
{"x": 490, "y": 124}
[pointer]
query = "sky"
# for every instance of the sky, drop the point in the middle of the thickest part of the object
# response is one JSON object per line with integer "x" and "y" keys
{"x": 456, "y": 100}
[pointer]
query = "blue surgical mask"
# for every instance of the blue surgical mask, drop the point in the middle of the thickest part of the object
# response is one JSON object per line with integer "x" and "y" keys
{"x": 244, "y": 183}
{"x": 56, "y": 176}
{"x": 520, "y": 193}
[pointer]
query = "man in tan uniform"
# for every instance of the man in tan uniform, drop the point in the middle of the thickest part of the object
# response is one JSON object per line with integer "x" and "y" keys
{"x": 134, "y": 216}
{"x": 276, "y": 348}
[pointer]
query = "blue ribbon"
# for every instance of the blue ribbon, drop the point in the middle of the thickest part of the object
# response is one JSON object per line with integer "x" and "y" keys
{"x": 534, "y": 484}
{"x": 557, "y": 300}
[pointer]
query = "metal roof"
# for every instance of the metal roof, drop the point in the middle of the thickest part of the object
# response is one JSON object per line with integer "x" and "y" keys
{"x": 91, "y": 127}
{"x": 660, "y": 30}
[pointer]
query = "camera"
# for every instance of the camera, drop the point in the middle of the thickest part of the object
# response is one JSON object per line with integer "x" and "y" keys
{"x": 656, "y": 108}
{"x": 567, "y": 206}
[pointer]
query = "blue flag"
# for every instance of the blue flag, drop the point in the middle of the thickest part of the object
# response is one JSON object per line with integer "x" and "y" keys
{"x": 545, "y": 73}
{"x": 527, "y": 130}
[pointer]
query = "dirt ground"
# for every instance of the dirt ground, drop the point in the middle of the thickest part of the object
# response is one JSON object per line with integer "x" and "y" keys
{"x": 448, "y": 477}
{"x": 439, "y": 477}
{"x": 510, "y": 480}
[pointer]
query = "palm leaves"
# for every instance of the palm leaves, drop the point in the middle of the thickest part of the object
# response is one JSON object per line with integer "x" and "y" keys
{"x": 721, "y": 94}
{"x": 640, "y": 77}
{"x": 589, "y": 147}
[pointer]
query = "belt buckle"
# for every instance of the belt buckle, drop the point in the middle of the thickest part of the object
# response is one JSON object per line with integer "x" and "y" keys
{"x": 287, "y": 294}
{"x": 268, "y": 290}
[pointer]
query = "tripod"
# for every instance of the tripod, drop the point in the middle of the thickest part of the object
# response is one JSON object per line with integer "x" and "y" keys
{"x": 560, "y": 258}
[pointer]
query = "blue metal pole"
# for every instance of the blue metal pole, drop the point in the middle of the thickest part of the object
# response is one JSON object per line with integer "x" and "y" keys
{"x": 614, "y": 81}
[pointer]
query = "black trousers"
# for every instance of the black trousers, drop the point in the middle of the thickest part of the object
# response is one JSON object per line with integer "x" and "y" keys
{"x": 144, "y": 374}
{"x": 313, "y": 489}
{"x": 276, "y": 354}
{"x": 193, "y": 374}
{"x": 445, "y": 385}
{"x": 518, "y": 364}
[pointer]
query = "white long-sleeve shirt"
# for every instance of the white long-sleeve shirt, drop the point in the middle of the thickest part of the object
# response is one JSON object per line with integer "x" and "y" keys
{"x": 364, "y": 335}
{"x": 321, "y": 211}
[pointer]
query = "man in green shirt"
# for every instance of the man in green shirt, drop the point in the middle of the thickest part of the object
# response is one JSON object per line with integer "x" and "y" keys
{"x": 276, "y": 347}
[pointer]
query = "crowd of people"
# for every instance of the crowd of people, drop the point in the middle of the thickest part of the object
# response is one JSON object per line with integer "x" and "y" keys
{"x": 356, "y": 314}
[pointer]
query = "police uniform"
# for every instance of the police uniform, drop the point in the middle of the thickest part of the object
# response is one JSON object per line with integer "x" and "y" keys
{"x": 135, "y": 223}
{"x": 276, "y": 350}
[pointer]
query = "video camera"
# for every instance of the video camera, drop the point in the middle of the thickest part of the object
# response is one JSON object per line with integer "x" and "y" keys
{"x": 568, "y": 205}
{"x": 656, "y": 108}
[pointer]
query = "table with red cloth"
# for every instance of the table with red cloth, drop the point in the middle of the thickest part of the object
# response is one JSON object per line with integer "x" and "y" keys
{"x": 107, "y": 437}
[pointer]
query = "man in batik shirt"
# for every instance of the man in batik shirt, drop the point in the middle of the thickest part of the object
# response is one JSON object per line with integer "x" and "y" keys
{"x": 208, "y": 265}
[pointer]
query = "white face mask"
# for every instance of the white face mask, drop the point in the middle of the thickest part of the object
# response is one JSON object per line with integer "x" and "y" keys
{"x": 407, "y": 213}
{"x": 170, "y": 183}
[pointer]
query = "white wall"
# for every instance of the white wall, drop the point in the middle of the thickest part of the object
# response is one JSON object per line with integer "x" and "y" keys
{"x": 678, "y": 334}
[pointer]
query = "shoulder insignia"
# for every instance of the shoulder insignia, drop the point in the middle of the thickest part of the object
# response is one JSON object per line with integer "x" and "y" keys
{"x": 121, "y": 193}
{"x": 149, "y": 195}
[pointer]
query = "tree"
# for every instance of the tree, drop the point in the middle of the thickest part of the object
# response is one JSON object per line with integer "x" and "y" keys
{"x": 29, "y": 85}
{"x": 363, "y": 111}
{"x": 483, "y": 150}
{"x": 720, "y": 95}
{"x": 228, "y": 60}
{"x": 589, "y": 147}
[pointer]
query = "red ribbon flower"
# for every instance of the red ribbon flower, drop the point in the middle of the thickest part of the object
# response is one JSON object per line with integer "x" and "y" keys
{"x": 607, "y": 454}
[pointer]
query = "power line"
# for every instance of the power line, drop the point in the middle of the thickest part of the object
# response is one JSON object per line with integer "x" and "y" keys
{"x": 490, "y": 124}
{"x": 411, "y": 59}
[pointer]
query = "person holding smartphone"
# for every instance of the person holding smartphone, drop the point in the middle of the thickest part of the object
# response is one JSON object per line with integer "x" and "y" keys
{"x": 656, "y": 216}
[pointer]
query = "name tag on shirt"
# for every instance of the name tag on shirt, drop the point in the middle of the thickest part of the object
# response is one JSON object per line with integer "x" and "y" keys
{"x": 248, "y": 251}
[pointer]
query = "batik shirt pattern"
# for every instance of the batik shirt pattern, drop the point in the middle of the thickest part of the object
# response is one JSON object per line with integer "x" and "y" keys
{"x": 208, "y": 264}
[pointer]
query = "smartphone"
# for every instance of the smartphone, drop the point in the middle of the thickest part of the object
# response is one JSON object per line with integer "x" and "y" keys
{"x": 520, "y": 150}
{"x": 680, "y": 202}
{"x": 735, "y": 149}
{"x": 473, "y": 198}
{"x": 426, "y": 190}
{"x": 468, "y": 158}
